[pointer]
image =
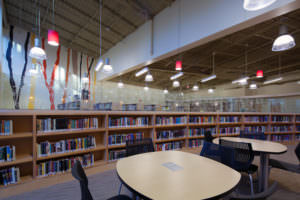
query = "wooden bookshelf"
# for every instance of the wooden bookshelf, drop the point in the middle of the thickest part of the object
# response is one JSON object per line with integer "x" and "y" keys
{"x": 25, "y": 135}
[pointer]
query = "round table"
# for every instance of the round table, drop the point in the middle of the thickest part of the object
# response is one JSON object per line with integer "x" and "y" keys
{"x": 264, "y": 149}
{"x": 176, "y": 175}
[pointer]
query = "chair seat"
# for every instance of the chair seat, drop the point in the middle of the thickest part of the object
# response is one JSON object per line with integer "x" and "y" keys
{"x": 285, "y": 166}
{"x": 252, "y": 169}
{"x": 120, "y": 197}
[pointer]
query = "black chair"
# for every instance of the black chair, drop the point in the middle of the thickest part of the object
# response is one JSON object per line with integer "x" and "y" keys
{"x": 208, "y": 137}
{"x": 211, "y": 150}
{"x": 285, "y": 165}
{"x": 240, "y": 158}
{"x": 134, "y": 147}
{"x": 79, "y": 174}
{"x": 257, "y": 135}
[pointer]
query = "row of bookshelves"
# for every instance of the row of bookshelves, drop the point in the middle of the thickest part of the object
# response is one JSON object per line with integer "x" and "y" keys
{"x": 42, "y": 144}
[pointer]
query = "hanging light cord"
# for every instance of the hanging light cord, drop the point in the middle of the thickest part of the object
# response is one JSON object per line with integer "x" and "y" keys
{"x": 213, "y": 65}
{"x": 39, "y": 21}
{"x": 100, "y": 28}
{"x": 246, "y": 59}
{"x": 279, "y": 62}
{"x": 53, "y": 22}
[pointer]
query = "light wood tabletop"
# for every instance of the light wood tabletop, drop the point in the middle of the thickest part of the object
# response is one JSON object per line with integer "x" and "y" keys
{"x": 176, "y": 175}
{"x": 258, "y": 145}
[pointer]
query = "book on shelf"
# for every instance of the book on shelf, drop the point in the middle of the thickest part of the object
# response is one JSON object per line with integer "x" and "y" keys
{"x": 9, "y": 176}
{"x": 128, "y": 121}
{"x": 255, "y": 129}
{"x": 166, "y": 120}
{"x": 7, "y": 153}
{"x": 56, "y": 124}
{"x": 256, "y": 118}
{"x": 169, "y": 146}
{"x": 129, "y": 107}
{"x": 48, "y": 148}
{"x": 193, "y": 143}
{"x": 116, "y": 154}
{"x": 103, "y": 106}
{"x": 280, "y": 118}
{"x": 52, "y": 167}
{"x": 297, "y": 137}
{"x": 169, "y": 134}
{"x": 229, "y": 119}
{"x": 120, "y": 139}
{"x": 297, "y": 118}
{"x": 282, "y": 128}
{"x": 281, "y": 138}
{"x": 6, "y": 127}
{"x": 202, "y": 119}
{"x": 298, "y": 128}
{"x": 201, "y": 131}
{"x": 149, "y": 107}
{"x": 229, "y": 130}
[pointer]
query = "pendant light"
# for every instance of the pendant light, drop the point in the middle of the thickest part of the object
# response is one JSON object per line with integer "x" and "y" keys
{"x": 210, "y": 90}
{"x": 149, "y": 77}
{"x": 176, "y": 84}
{"x": 244, "y": 79}
{"x": 253, "y": 5}
{"x": 53, "y": 38}
{"x": 259, "y": 74}
{"x": 213, "y": 76}
{"x": 141, "y": 72}
{"x": 176, "y": 76}
{"x": 178, "y": 65}
{"x": 146, "y": 88}
{"x": 166, "y": 91}
{"x": 107, "y": 68}
{"x": 100, "y": 61}
{"x": 253, "y": 86}
{"x": 37, "y": 52}
{"x": 284, "y": 41}
{"x": 195, "y": 88}
{"x": 279, "y": 78}
{"x": 120, "y": 84}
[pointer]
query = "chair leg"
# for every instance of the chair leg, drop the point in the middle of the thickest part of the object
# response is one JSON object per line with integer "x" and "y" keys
{"x": 120, "y": 188}
{"x": 251, "y": 184}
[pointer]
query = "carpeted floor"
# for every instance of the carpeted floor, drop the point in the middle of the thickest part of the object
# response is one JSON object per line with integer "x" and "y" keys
{"x": 106, "y": 184}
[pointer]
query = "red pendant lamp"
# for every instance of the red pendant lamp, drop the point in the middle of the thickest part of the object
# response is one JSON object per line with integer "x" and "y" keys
{"x": 178, "y": 65}
{"x": 53, "y": 38}
{"x": 259, "y": 74}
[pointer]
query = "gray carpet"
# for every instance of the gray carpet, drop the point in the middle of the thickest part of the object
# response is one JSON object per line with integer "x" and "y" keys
{"x": 102, "y": 186}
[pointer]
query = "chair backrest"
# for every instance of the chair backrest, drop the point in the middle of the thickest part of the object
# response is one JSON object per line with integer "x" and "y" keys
{"x": 207, "y": 136}
{"x": 79, "y": 174}
{"x": 257, "y": 135}
{"x": 241, "y": 154}
{"x": 134, "y": 147}
{"x": 297, "y": 151}
{"x": 211, "y": 150}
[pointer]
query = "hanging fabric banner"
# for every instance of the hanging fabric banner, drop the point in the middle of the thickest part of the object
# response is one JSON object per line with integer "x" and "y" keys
{"x": 80, "y": 65}
{"x": 89, "y": 67}
{"x": 33, "y": 79}
{"x": 75, "y": 66}
{"x": 44, "y": 69}
{"x": 67, "y": 77}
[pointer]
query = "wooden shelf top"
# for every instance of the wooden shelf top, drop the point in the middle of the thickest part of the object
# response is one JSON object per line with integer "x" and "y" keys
{"x": 228, "y": 135}
{"x": 16, "y": 136}
{"x": 129, "y": 128}
{"x": 24, "y": 179}
{"x": 282, "y": 123}
{"x": 256, "y": 123}
{"x": 71, "y": 131}
{"x": 230, "y": 123}
{"x": 116, "y": 146}
{"x": 196, "y": 137}
{"x": 59, "y": 155}
{"x": 169, "y": 140}
{"x": 21, "y": 160}
{"x": 280, "y": 133}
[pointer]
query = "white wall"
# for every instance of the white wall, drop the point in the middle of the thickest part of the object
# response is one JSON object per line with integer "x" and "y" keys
{"x": 199, "y": 20}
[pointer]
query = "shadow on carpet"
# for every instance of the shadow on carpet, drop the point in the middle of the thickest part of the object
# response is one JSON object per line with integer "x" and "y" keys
{"x": 102, "y": 186}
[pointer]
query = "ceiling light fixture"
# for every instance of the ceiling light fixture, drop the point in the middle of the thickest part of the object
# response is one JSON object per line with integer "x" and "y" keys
{"x": 149, "y": 77}
{"x": 284, "y": 41}
{"x": 253, "y": 5}
{"x": 99, "y": 64}
{"x": 141, "y": 72}
{"x": 166, "y": 91}
{"x": 213, "y": 76}
{"x": 298, "y": 82}
{"x": 120, "y": 84}
{"x": 195, "y": 88}
{"x": 146, "y": 88}
{"x": 176, "y": 76}
{"x": 253, "y": 86}
{"x": 241, "y": 81}
{"x": 210, "y": 90}
{"x": 176, "y": 84}
{"x": 259, "y": 74}
{"x": 53, "y": 38}
{"x": 37, "y": 52}
{"x": 107, "y": 68}
{"x": 272, "y": 80}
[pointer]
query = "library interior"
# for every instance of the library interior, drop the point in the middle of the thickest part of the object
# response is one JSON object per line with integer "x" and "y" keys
{"x": 149, "y": 99}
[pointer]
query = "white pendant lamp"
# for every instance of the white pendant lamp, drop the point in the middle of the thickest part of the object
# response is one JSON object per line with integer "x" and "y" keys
{"x": 253, "y": 86}
{"x": 37, "y": 52}
{"x": 120, "y": 84}
{"x": 210, "y": 90}
{"x": 149, "y": 77}
{"x": 253, "y": 5}
{"x": 146, "y": 88}
{"x": 195, "y": 88}
{"x": 166, "y": 91}
{"x": 99, "y": 64}
{"x": 176, "y": 84}
{"x": 107, "y": 68}
{"x": 284, "y": 41}
{"x": 141, "y": 72}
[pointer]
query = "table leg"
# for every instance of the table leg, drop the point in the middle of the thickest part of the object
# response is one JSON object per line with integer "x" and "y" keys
{"x": 263, "y": 172}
